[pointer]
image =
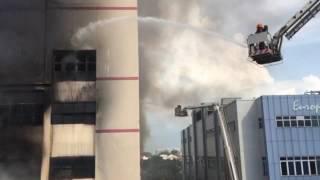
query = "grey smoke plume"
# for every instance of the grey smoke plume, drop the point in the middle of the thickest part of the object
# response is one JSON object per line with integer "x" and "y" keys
{"x": 192, "y": 50}
{"x": 183, "y": 63}
{"x": 20, "y": 153}
{"x": 22, "y": 41}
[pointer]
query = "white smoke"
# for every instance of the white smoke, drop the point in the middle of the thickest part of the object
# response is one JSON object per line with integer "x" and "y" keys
{"x": 189, "y": 65}
{"x": 193, "y": 50}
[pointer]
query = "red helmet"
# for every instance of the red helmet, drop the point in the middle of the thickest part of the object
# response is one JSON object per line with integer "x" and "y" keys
{"x": 259, "y": 25}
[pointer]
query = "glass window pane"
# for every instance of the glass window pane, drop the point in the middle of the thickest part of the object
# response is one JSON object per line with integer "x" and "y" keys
{"x": 286, "y": 123}
{"x": 315, "y": 123}
{"x": 313, "y": 170}
{"x": 291, "y": 168}
{"x": 293, "y": 123}
{"x": 260, "y": 123}
{"x": 305, "y": 167}
{"x": 298, "y": 168}
{"x": 301, "y": 123}
{"x": 284, "y": 171}
{"x": 308, "y": 123}
{"x": 279, "y": 124}
{"x": 318, "y": 166}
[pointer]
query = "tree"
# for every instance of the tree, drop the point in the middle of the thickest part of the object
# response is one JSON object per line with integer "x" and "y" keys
{"x": 156, "y": 168}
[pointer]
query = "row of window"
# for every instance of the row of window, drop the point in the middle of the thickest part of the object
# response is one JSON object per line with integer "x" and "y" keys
{"x": 298, "y": 121}
{"x": 75, "y": 67}
{"x": 300, "y": 166}
{"x": 298, "y": 117}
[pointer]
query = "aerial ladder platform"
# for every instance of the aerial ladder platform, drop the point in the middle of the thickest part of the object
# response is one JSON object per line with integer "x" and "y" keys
{"x": 266, "y": 49}
{"x": 228, "y": 147}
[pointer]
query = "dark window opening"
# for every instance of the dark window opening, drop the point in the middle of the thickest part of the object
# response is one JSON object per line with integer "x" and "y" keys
{"x": 70, "y": 67}
{"x": 286, "y": 123}
{"x": 72, "y": 168}
{"x": 301, "y": 123}
{"x": 318, "y": 165}
{"x": 91, "y": 67}
{"x": 82, "y": 67}
{"x": 315, "y": 123}
{"x": 293, "y": 117}
{"x": 293, "y": 123}
{"x": 298, "y": 167}
{"x": 313, "y": 169}
{"x": 74, "y": 65}
{"x": 312, "y": 157}
{"x": 57, "y": 67}
{"x": 305, "y": 165}
{"x": 58, "y": 57}
{"x": 279, "y": 124}
{"x": 260, "y": 123}
{"x": 284, "y": 171}
{"x": 198, "y": 115}
{"x": 291, "y": 168}
{"x": 307, "y": 123}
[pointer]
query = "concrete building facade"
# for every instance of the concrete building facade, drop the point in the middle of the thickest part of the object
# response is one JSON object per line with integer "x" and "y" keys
{"x": 273, "y": 138}
{"x": 70, "y": 81}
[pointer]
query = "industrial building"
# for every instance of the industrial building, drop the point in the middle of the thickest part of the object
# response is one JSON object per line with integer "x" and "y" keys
{"x": 272, "y": 138}
{"x": 69, "y": 90}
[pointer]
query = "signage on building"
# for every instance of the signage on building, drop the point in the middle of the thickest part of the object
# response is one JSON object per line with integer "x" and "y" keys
{"x": 297, "y": 106}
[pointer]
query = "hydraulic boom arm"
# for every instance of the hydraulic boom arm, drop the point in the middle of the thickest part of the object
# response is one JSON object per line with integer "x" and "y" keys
{"x": 296, "y": 23}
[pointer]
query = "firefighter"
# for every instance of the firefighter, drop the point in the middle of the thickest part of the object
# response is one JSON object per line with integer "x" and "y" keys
{"x": 260, "y": 28}
{"x": 265, "y": 28}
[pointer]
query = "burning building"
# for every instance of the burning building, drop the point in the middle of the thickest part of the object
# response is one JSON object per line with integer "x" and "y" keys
{"x": 69, "y": 90}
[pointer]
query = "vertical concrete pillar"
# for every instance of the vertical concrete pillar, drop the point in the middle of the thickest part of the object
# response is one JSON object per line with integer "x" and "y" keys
{"x": 46, "y": 146}
{"x": 110, "y": 28}
{"x": 118, "y": 134}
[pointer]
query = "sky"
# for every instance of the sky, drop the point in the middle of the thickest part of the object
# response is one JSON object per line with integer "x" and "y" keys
{"x": 193, "y": 51}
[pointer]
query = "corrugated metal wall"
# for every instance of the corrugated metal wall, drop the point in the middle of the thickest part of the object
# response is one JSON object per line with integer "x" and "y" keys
{"x": 290, "y": 141}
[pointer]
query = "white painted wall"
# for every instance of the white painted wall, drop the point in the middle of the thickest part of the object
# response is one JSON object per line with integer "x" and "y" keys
{"x": 251, "y": 139}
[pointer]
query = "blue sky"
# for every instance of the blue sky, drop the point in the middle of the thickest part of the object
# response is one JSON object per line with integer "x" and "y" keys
{"x": 300, "y": 54}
